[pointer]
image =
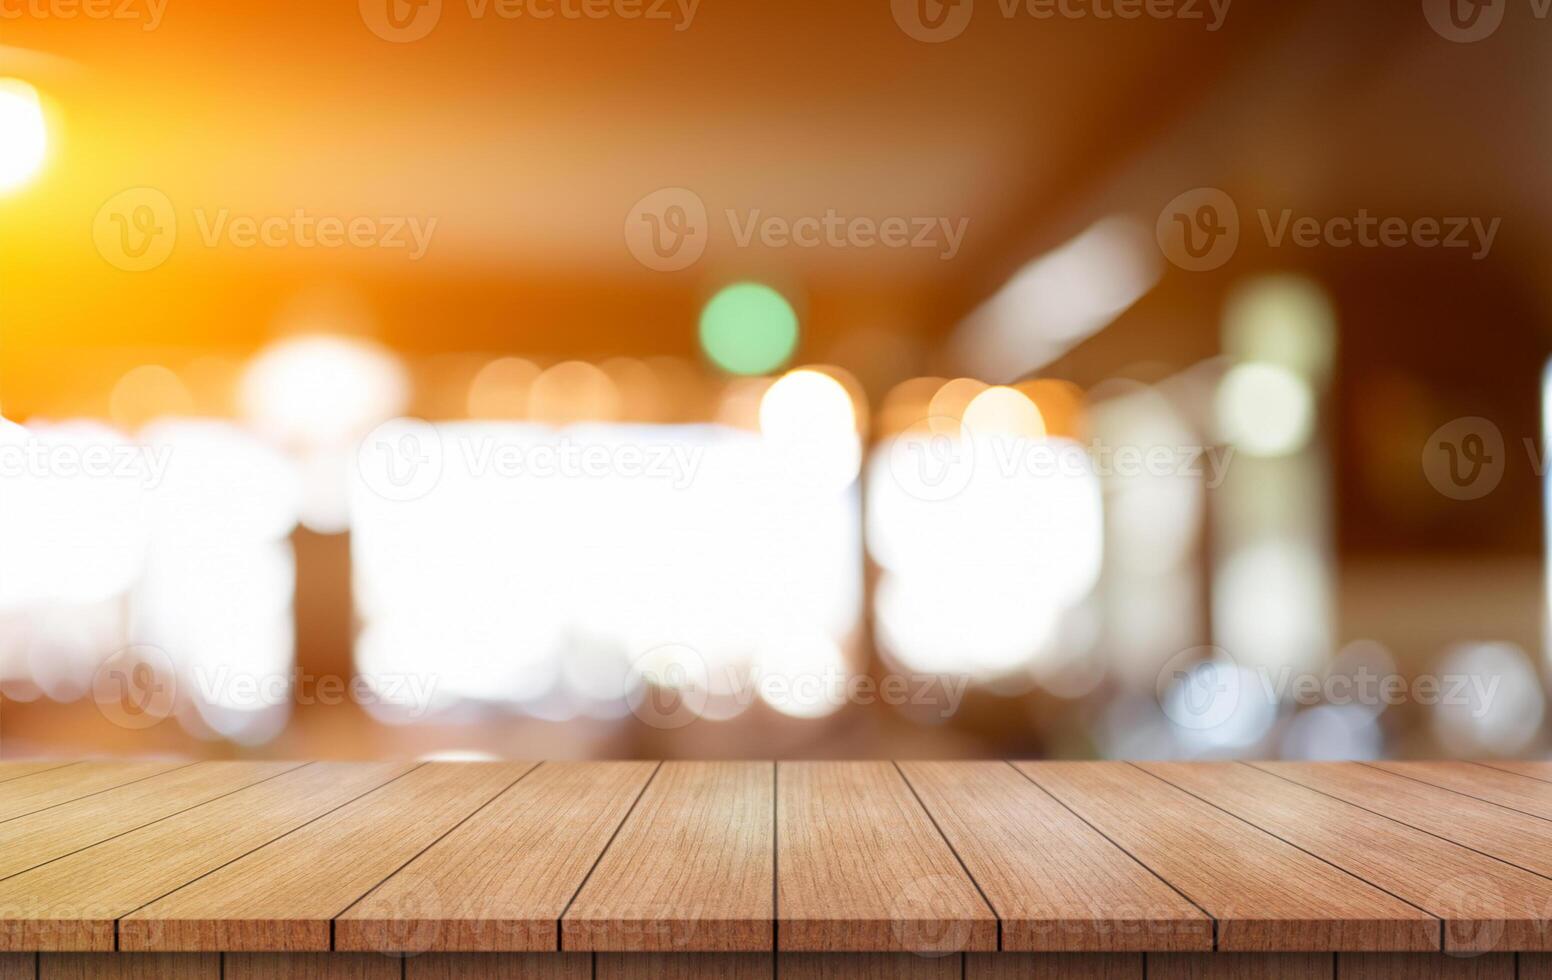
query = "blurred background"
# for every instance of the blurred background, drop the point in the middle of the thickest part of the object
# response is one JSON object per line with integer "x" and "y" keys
{"x": 662, "y": 378}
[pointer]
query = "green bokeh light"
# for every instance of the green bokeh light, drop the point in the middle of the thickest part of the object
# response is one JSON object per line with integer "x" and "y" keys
{"x": 748, "y": 328}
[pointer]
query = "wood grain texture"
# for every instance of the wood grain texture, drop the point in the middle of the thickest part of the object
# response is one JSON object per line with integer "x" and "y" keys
{"x": 1535, "y": 966}
{"x": 282, "y": 896}
{"x": 51, "y": 787}
{"x": 310, "y": 966}
{"x": 1410, "y": 966}
{"x": 684, "y": 966}
{"x": 16, "y": 770}
{"x": 1241, "y": 966}
{"x": 1053, "y": 966}
{"x": 869, "y": 966}
{"x": 1485, "y": 904}
{"x": 501, "y": 881}
{"x": 499, "y": 966}
{"x": 1055, "y": 882}
{"x": 1505, "y": 834}
{"x": 18, "y": 966}
{"x": 861, "y": 868}
{"x": 111, "y": 966}
{"x": 692, "y": 869}
{"x": 1529, "y": 769}
{"x": 71, "y": 904}
{"x": 29, "y": 841}
{"x": 1508, "y": 789}
{"x": 1266, "y": 895}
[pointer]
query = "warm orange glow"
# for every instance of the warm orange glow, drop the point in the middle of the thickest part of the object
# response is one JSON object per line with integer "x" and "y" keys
{"x": 1004, "y": 412}
{"x": 500, "y": 390}
{"x": 573, "y": 391}
{"x": 949, "y": 404}
{"x": 907, "y": 405}
{"x": 148, "y": 392}
{"x": 1060, "y": 404}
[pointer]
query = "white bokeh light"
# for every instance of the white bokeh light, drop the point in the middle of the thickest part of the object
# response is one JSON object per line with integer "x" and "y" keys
{"x": 1265, "y": 409}
{"x": 808, "y": 417}
{"x": 23, "y": 134}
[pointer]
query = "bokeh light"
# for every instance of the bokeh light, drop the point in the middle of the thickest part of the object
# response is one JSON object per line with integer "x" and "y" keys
{"x": 1285, "y": 320}
{"x": 749, "y": 328}
{"x": 146, "y": 393}
{"x": 907, "y": 405}
{"x": 314, "y": 396}
{"x": 573, "y": 391}
{"x": 1004, "y": 411}
{"x": 809, "y": 419}
{"x": 322, "y": 390}
{"x": 949, "y": 402}
{"x": 1332, "y": 733}
{"x": 1489, "y": 700}
{"x": 1265, "y": 409}
{"x": 802, "y": 676}
{"x": 1060, "y": 404}
{"x": 500, "y": 389}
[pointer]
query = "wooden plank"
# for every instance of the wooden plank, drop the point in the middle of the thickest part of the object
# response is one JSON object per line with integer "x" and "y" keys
{"x": 501, "y": 881}
{"x": 39, "y": 791}
{"x": 1055, "y": 882}
{"x": 1241, "y": 966}
{"x": 1413, "y": 966}
{"x": 861, "y": 868}
{"x": 692, "y": 870}
{"x": 71, "y": 904}
{"x": 16, "y": 770}
{"x": 501, "y": 966}
{"x": 1485, "y": 904}
{"x": 111, "y": 966}
{"x": 1530, "y": 769}
{"x": 29, "y": 841}
{"x": 684, "y": 966}
{"x": 282, "y": 896}
{"x": 869, "y": 966}
{"x": 1054, "y": 966}
{"x": 1491, "y": 785}
{"x": 1267, "y": 895}
{"x": 311, "y": 966}
{"x": 1535, "y": 966}
{"x": 1506, "y": 834}
{"x": 18, "y": 966}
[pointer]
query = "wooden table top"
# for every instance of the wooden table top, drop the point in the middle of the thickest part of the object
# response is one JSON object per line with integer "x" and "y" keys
{"x": 790, "y": 857}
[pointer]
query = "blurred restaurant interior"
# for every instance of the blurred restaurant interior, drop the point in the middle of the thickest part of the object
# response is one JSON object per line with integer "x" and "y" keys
{"x": 564, "y": 379}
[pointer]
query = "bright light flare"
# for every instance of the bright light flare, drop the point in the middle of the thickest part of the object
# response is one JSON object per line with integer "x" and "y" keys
{"x": 23, "y": 135}
{"x": 322, "y": 390}
{"x": 810, "y": 416}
